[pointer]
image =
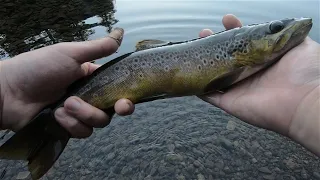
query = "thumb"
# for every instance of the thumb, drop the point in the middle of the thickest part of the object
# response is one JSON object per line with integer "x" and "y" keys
{"x": 91, "y": 50}
{"x": 214, "y": 98}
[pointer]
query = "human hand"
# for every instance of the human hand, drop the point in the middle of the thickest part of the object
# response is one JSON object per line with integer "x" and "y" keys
{"x": 284, "y": 98}
{"x": 32, "y": 80}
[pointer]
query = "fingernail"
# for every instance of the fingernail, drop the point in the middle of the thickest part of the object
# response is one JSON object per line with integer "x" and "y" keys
{"x": 117, "y": 35}
{"x": 60, "y": 113}
{"x": 128, "y": 106}
{"x": 73, "y": 104}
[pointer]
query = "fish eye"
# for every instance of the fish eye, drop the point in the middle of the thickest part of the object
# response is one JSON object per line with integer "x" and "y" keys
{"x": 276, "y": 26}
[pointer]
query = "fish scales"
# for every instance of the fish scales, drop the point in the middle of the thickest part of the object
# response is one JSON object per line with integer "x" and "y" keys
{"x": 136, "y": 73}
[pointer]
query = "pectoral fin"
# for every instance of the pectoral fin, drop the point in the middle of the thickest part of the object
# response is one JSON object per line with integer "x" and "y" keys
{"x": 150, "y": 43}
{"x": 224, "y": 81}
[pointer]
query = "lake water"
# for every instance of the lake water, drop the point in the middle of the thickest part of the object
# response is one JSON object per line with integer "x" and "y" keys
{"x": 181, "y": 138}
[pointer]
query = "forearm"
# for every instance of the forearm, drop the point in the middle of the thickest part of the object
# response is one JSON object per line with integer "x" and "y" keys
{"x": 305, "y": 127}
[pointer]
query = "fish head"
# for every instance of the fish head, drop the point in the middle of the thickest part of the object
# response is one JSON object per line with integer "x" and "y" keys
{"x": 265, "y": 43}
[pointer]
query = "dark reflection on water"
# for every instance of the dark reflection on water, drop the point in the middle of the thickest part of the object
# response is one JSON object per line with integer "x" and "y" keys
{"x": 31, "y": 24}
{"x": 181, "y": 138}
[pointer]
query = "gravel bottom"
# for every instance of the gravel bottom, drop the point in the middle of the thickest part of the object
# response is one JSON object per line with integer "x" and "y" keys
{"x": 180, "y": 138}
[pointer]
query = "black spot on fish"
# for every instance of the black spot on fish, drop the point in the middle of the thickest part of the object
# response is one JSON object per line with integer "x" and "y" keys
{"x": 117, "y": 68}
{"x": 205, "y": 62}
{"x": 211, "y": 62}
{"x": 136, "y": 60}
{"x": 143, "y": 64}
{"x": 225, "y": 55}
{"x": 245, "y": 51}
{"x": 217, "y": 56}
{"x": 219, "y": 46}
{"x": 240, "y": 45}
{"x": 162, "y": 56}
{"x": 199, "y": 67}
{"x": 241, "y": 41}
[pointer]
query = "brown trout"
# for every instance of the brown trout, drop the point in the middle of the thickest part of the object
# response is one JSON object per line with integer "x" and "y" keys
{"x": 158, "y": 70}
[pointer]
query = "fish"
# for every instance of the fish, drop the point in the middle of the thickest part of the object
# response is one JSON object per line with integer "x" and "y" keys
{"x": 157, "y": 70}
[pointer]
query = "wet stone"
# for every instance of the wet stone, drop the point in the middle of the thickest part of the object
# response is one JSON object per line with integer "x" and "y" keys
{"x": 153, "y": 171}
{"x": 23, "y": 175}
{"x": 304, "y": 174}
{"x": 277, "y": 170}
{"x": 200, "y": 177}
{"x": 171, "y": 147}
{"x": 197, "y": 152}
{"x": 231, "y": 125}
{"x": 226, "y": 143}
{"x": 210, "y": 177}
{"x": 268, "y": 153}
{"x": 290, "y": 163}
{"x": 181, "y": 177}
{"x": 148, "y": 178}
{"x": 126, "y": 170}
{"x": 269, "y": 177}
{"x": 110, "y": 156}
{"x": 316, "y": 175}
{"x": 254, "y": 160}
{"x": 197, "y": 163}
{"x": 219, "y": 164}
{"x": 265, "y": 170}
{"x": 78, "y": 164}
{"x": 174, "y": 158}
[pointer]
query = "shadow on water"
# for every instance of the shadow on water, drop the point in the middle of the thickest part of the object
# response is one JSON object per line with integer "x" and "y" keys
{"x": 31, "y": 24}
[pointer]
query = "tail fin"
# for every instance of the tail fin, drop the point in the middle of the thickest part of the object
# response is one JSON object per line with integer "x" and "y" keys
{"x": 40, "y": 142}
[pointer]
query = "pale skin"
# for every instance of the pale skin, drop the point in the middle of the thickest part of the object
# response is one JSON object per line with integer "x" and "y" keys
{"x": 285, "y": 98}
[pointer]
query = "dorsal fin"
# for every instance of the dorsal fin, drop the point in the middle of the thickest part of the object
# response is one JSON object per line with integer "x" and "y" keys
{"x": 150, "y": 43}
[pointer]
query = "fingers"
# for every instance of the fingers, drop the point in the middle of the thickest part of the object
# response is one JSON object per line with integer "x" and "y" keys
{"x": 230, "y": 21}
{"x": 79, "y": 117}
{"x": 91, "y": 50}
{"x": 124, "y": 107}
{"x": 205, "y": 33}
{"x": 89, "y": 68}
{"x": 76, "y": 128}
{"x": 213, "y": 98}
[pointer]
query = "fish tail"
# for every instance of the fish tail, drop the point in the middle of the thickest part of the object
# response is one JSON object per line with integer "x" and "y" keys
{"x": 40, "y": 142}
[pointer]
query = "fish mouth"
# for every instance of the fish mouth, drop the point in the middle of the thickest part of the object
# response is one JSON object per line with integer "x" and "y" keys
{"x": 304, "y": 27}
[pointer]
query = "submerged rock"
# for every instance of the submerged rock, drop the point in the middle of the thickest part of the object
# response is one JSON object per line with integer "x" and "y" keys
{"x": 23, "y": 175}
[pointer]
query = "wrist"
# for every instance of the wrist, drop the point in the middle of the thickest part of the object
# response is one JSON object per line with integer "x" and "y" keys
{"x": 305, "y": 126}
